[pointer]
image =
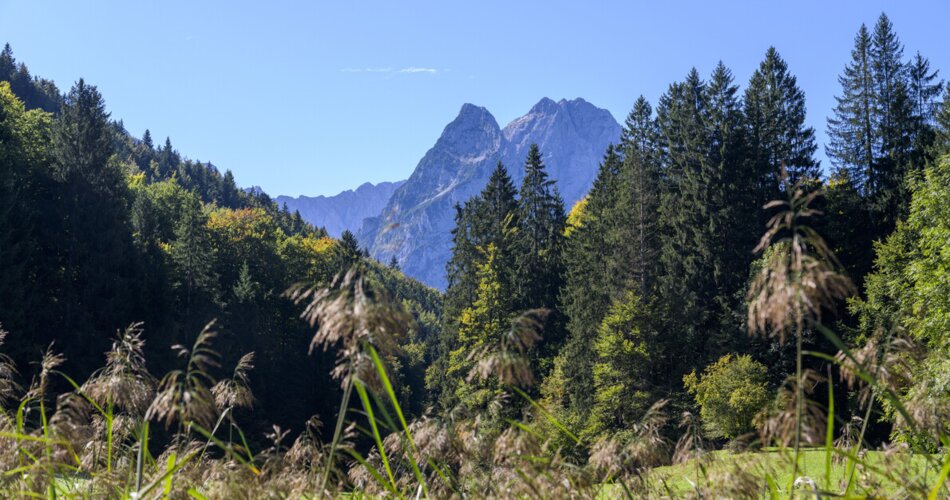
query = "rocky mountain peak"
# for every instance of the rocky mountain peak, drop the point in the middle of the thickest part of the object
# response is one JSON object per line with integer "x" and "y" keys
{"x": 473, "y": 130}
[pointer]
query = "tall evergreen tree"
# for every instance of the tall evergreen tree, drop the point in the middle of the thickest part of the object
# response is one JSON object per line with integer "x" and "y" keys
{"x": 683, "y": 214}
{"x": 775, "y": 118}
{"x": 481, "y": 327}
{"x": 489, "y": 218}
{"x": 587, "y": 292}
{"x": 877, "y": 131}
{"x": 350, "y": 252}
{"x": 925, "y": 89}
{"x": 850, "y": 130}
{"x": 193, "y": 258}
{"x": 941, "y": 144}
{"x": 95, "y": 237}
{"x": 637, "y": 235}
{"x": 539, "y": 247}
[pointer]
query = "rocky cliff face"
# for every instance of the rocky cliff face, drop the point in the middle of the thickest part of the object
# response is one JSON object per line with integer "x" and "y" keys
{"x": 345, "y": 210}
{"x": 415, "y": 225}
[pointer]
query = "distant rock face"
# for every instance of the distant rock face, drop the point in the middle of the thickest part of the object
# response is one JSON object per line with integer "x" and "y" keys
{"x": 342, "y": 211}
{"x": 415, "y": 225}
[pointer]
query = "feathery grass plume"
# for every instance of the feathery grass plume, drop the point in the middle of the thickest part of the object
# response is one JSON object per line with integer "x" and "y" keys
{"x": 124, "y": 381}
{"x": 783, "y": 425}
{"x": 801, "y": 275}
{"x": 185, "y": 395}
{"x": 646, "y": 448}
{"x": 235, "y": 392}
{"x": 8, "y": 374}
{"x": 356, "y": 317}
{"x": 890, "y": 365}
{"x": 508, "y": 359}
{"x": 73, "y": 420}
{"x": 51, "y": 360}
{"x": 690, "y": 444}
{"x": 351, "y": 312}
{"x": 307, "y": 450}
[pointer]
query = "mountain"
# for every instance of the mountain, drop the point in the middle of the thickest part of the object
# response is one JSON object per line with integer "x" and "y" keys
{"x": 415, "y": 225}
{"x": 342, "y": 211}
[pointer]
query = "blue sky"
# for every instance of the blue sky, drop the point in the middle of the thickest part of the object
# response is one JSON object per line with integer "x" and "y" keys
{"x": 316, "y": 97}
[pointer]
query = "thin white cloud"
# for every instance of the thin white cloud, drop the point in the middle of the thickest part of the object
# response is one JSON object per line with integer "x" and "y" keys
{"x": 416, "y": 69}
{"x": 410, "y": 69}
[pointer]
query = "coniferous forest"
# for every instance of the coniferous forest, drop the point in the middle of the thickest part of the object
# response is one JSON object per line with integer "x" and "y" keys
{"x": 720, "y": 316}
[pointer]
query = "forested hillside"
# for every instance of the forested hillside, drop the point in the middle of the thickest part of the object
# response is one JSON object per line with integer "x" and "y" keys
{"x": 719, "y": 302}
{"x": 102, "y": 230}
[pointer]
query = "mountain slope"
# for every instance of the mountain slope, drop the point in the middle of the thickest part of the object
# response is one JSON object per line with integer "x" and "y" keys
{"x": 416, "y": 224}
{"x": 345, "y": 210}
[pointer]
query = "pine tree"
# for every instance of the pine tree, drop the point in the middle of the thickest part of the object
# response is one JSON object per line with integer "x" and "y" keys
{"x": 94, "y": 240}
{"x": 729, "y": 233}
{"x": 540, "y": 236}
{"x": 229, "y": 191}
{"x": 925, "y": 89}
{"x": 83, "y": 138}
{"x": 147, "y": 140}
{"x": 925, "y": 92}
{"x": 684, "y": 212}
{"x": 7, "y": 63}
{"x": 246, "y": 288}
{"x": 894, "y": 125}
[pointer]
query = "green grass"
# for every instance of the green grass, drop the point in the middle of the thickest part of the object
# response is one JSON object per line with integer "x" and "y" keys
{"x": 886, "y": 474}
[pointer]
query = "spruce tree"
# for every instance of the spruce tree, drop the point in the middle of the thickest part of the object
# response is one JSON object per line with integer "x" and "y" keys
{"x": 636, "y": 241}
{"x": 684, "y": 214}
{"x": 587, "y": 293}
{"x": 850, "y": 130}
{"x": 481, "y": 327}
{"x": 877, "y": 132}
{"x": 941, "y": 144}
{"x": 349, "y": 250}
{"x": 925, "y": 89}
{"x": 538, "y": 262}
{"x": 194, "y": 261}
{"x": 94, "y": 240}
{"x": 489, "y": 218}
{"x": 622, "y": 372}
{"x": 775, "y": 117}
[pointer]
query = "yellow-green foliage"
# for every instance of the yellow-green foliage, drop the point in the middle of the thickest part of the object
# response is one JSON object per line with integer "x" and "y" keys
{"x": 621, "y": 367}
{"x": 480, "y": 325}
{"x": 909, "y": 291}
{"x": 730, "y": 392}
{"x": 576, "y": 216}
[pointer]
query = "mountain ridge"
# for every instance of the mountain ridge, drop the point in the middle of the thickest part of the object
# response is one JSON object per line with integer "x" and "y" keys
{"x": 342, "y": 211}
{"x": 416, "y": 223}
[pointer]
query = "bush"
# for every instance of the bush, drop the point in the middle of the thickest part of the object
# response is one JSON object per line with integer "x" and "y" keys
{"x": 730, "y": 393}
